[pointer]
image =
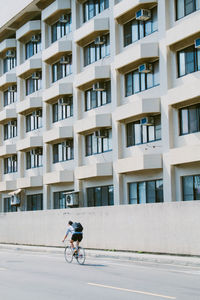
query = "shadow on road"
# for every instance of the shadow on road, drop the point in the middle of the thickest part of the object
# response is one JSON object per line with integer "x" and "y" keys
{"x": 94, "y": 265}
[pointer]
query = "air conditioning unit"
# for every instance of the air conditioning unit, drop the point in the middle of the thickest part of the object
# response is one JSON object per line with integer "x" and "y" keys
{"x": 13, "y": 123}
{"x": 15, "y": 200}
{"x": 35, "y": 38}
{"x": 99, "y": 86}
{"x": 14, "y": 158}
{"x": 143, "y": 15}
{"x": 36, "y": 75}
{"x": 147, "y": 121}
{"x": 38, "y": 151}
{"x": 64, "y": 18}
{"x": 12, "y": 89}
{"x": 72, "y": 199}
{"x": 68, "y": 143}
{"x": 197, "y": 43}
{"x": 101, "y": 133}
{"x": 65, "y": 60}
{"x": 10, "y": 53}
{"x": 37, "y": 113}
{"x": 100, "y": 40}
{"x": 64, "y": 101}
{"x": 145, "y": 68}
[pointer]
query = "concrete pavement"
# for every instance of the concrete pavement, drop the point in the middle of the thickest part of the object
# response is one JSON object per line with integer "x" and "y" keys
{"x": 124, "y": 256}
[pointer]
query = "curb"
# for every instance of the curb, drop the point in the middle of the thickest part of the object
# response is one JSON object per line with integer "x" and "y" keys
{"x": 192, "y": 261}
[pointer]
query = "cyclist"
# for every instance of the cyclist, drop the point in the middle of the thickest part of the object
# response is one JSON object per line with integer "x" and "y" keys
{"x": 76, "y": 236}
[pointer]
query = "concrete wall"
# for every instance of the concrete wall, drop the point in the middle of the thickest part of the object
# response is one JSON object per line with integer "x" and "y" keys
{"x": 163, "y": 227}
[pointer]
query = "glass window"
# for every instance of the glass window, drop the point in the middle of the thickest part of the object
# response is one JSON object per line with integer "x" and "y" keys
{"x": 60, "y": 29}
{"x": 191, "y": 188}
{"x": 10, "y": 164}
{"x": 7, "y": 205}
{"x": 10, "y": 96}
{"x": 60, "y": 70}
{"x": 61, "y": 112}
{"x": 10, "y": 130}
{"x": 94, "y": 99}
{"x": 146, "y": 192}
{"x": 186, "y": 7}
{"x": 100, "y": 196}
{"x": 189, "y": 119}
{"x": 91, "y": 8}
{"x": 35, "y": 202}
{"x": 63, "y": 151}
{"x": 33, "y": 85}
{"x": 34, "y": 158}
{"x": 32, "y": 48}
{"x": 188, "y": 61}
{"x": 34, "y": 120}
{"x": 9, "y": 62}
{"x": 98, "y": 144}
{"x": 59, "y": 200}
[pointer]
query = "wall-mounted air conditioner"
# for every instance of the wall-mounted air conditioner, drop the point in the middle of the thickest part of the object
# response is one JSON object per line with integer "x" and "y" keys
{"x": 99, "y": 86}
{"x": 72, "y": 199}
{"x": 65, "y": 60}
{"x": 147, "y": 121}
{"x": 12, "y": 89}
{"x": 38, "y": 151}
{"x": 35, "y": 38}
{"x": 15, "y": 200}
{"x": 197, "y": 43}
{"x": 101, "y": 133}
{"x": 12, "y": 123}
{"x": 64, "y": 101}
{"x": 36, "y": 75}
{"x": 143, "y": 15}
{"x": 64, "y": 18}
{"x": 14, "y": 157}
{"x": 145, "y": 68}
{"x": 10, "y": 53}
{"x": 100, "y": 40}
{"x": 68, "y": 143}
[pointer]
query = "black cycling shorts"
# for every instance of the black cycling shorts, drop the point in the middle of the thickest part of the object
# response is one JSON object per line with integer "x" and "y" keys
{"x": 77, "y": 237}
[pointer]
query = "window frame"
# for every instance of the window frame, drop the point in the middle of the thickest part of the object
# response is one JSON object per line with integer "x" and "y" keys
{"x": 92, "y": 143}
{"x": 59, "y": 150}
{"x": 94, "y": 195}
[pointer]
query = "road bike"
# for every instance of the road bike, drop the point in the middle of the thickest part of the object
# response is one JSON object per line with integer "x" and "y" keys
{"x": 79, "y": 254}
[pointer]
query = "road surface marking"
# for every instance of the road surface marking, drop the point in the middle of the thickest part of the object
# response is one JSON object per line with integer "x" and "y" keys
{"x": 132, "y": 291}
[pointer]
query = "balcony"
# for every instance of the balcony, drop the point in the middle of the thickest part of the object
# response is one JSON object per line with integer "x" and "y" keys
{"x": 140, "y": 107}
{"x": 57, "y": 177}
{"x": 90, "y": 75}
{"x": 85, "y": 126}
{"x": 57, "y": 91}
{"x": 8, "y": 185}
{"x": 137, "y": 54}
{"x": 7, "y": 114}
{"x": 58, "y": 134}
{"x": 7, "y": 79}
{"x": 56, "y": 50}
{"x": 25, "y": 32}
{"x": 52, "y": 12}
{"x": 93, "y": 171}
{"x": 126, "y": 9}
{"x": 28, "y": 67}
{"x": 28, "y": 105}
{"x": 7, "y": 150}
{"x": 7, "y": 44}
{"x": 29, "y": 182}
{"x": 29, "y": 143}
{"x": 90, "y": 30}
{"x": 139, "y": 162}
{"x": 184, "y": 155}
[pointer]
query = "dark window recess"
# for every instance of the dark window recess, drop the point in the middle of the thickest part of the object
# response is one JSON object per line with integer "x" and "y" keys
{"x": 188, "y": 60}
{"x": 95, "y": 99}
{"x": 96, "y": 144}
{"x": 100, "y": 196}
{"x": 63, "y": 151}
{"x": 189, "y": 119}
{"x": 60, "y": 29}
{"x": 191, "y": 188}
{"x": 92, "y": 8}
{"x": 35, "y": 202}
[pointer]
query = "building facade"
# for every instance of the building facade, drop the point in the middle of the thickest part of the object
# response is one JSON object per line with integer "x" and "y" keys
{"x": 99, "y": 104}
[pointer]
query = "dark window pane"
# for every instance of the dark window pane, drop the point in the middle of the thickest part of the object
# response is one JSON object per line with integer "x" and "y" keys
{"x": 188, "y": 193}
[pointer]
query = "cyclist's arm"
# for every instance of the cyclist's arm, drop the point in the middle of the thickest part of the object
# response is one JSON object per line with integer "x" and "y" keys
{"x": 66, "y": 235}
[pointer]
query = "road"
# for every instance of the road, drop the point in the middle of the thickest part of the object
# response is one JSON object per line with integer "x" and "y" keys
{"x": 46, "y": 276}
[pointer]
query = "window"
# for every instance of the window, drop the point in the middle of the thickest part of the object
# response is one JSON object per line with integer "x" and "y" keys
{"x": 94, "y": 52}
{"x": 92, "y": 8}
{"x": 10, "y": 130}
{"x": 32, "y": 48}
{"x": 96, "y": 145}
{"x": 140, "y": 134}
{"x": 186, "y": 7}
{"x": 135, "y": 30}
{"x": 136, "y": 82}
{"x": 146, "y": 192}
{"x": 191, "y": 187}
{"x": 34, "y": 120}
{"x": 10, "y": 97}
{"x": 188, "y": 61}
{"x": 7, "y": 205}
{"x": 34, "y": 158}
{"x": 61, "y": 112}
{"x": 100, "y": 196}
{"x": 59, "y": 200}
{"x": 33, "y": 85}
{"x": 60, "y": 70}
{"x": 63, "y": 151}
{"x": 35, "y": 202}
{"x": 95, "y": 99}
{"x": 10, "y": 164}
{"x": 189, "y": 119}
{"x": 9, "y": 63}
{"x": 60, "y": 29}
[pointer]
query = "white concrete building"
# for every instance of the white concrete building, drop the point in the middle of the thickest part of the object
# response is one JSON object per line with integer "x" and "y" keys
{"x": 99, "y": 100}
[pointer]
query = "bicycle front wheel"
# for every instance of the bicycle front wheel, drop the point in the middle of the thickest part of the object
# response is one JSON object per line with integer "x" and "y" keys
{"x": 81, "y": 256}
{"x": 68, "y": 254}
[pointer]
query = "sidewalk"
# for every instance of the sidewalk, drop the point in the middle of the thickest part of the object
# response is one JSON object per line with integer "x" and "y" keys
{"x": 193, "y": 261}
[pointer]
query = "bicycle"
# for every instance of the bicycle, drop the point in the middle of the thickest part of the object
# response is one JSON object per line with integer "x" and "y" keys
{"x": 69, "y": 254}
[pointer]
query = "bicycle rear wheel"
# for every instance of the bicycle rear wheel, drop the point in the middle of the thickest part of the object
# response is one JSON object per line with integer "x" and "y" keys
{"x": 80, "y": 256}
{"x": 68, "y": 253}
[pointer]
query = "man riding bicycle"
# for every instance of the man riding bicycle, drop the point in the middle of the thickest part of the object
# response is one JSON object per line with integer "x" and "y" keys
{"x": 76, "y": 234}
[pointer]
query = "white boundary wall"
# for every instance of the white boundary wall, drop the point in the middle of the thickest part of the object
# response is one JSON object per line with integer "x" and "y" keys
{"x": 162, "y": 228}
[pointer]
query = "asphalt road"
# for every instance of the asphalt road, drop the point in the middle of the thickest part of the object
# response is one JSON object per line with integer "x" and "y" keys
{"x": 46, "y": 276}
